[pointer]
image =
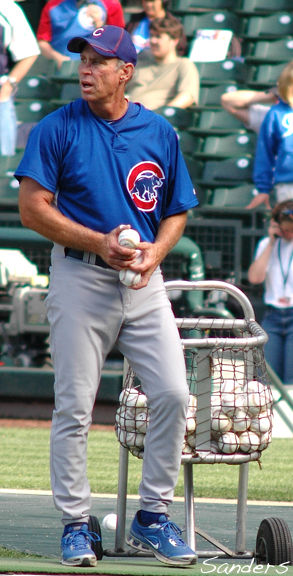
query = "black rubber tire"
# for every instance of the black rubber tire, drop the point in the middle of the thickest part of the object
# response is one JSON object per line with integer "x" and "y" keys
{"x": 273, "y": 543}
{"x": 97, "y": 547}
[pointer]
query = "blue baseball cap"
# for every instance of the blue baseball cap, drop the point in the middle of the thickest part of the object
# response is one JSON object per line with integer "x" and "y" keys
{"x": 109, "y": 41}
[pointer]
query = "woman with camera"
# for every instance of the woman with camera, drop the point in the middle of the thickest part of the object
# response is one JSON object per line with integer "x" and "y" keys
{"x": 273, "y": 266}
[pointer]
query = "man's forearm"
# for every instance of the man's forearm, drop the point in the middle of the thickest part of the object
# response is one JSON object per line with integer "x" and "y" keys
{"x": 170, "y": 231}
{"x": 183, "y": 100}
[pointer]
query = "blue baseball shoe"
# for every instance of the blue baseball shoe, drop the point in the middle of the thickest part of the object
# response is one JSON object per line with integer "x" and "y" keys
{"x": 163, "y": 539}
{"x": 76, "y": 546}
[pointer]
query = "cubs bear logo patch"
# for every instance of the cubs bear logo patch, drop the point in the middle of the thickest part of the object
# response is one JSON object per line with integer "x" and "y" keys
{"x": 143, "y": 182}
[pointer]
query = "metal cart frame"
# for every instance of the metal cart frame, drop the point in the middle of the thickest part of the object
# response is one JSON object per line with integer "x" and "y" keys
{"x": 203, "y": 455}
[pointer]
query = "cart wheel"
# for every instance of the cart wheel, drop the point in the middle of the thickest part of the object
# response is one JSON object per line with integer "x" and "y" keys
{"x": 273, "y": 542}
{"x": 94, "y": 526}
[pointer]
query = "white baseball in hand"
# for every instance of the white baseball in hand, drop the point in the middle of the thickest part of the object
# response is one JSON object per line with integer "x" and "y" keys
{"x": 129, "y": 238}
{"x": 129, "y": 277}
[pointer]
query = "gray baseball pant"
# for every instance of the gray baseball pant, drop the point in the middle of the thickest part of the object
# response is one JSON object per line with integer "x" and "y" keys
{"x": 89, "y": 310}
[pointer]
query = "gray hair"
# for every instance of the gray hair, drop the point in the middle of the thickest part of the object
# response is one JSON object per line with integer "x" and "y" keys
{"x": 120, "y": 63}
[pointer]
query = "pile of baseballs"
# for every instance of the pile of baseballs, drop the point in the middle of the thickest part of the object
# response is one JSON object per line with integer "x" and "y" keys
{"x": 241, "y": 416}
{"x": 132, "y": 418}
{"x": 241, "y": 419}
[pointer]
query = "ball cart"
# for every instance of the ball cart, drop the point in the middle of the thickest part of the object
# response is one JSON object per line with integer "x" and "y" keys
{"x": 229, "y": 421}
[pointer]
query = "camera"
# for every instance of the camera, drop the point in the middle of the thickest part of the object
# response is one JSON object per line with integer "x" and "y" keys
{"x": 24, "y": 326}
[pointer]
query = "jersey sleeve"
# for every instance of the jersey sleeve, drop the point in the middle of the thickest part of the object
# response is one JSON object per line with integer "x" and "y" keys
{"x": 265, "y": 155}
{"x": 262, "y": 244}
{"x": 181, "y": 194}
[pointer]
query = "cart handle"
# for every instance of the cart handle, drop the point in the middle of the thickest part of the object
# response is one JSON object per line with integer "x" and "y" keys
{"x": 215, "y": 285}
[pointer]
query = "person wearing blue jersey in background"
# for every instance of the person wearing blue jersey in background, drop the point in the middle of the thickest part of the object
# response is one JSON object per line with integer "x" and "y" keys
{"x": 273, "y": 164}
{"x": 62, "y": 19}
{"x": 90, "y": 169}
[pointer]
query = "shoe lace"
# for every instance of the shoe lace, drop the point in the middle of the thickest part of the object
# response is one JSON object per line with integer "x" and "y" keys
{"x": 77, "y": 538}
{"x": 171, "y": 530}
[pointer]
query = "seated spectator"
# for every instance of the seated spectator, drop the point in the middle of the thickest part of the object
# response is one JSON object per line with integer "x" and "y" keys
{"x": 162, "y": 78}
{"x": 273, "y": 266}
{"x": 18, "y": 51}
{"x": 249, "y": 106}
{"x": 273, "y": 163}
{"x": 62, "y": 20}
{"x": 139, "y": 25}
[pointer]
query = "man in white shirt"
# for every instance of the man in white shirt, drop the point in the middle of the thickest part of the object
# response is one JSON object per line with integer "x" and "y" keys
{"x": 18, "y": 42}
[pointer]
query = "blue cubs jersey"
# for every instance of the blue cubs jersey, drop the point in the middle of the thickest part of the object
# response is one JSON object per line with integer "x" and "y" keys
{"x": 104, "y": 174}
{"x": 274, "y": 150}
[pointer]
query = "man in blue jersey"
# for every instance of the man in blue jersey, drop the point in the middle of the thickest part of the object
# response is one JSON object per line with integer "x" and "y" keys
{"x": 90, "y": 169}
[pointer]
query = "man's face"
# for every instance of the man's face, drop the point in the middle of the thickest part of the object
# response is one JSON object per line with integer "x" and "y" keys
{"x": 152, "y": 8}
{"x": 98, "y": 76}
{"x": 161, "y": 45}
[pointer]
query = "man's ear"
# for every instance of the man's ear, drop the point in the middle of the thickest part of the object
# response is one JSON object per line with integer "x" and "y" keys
{"x": 126, "y": 72}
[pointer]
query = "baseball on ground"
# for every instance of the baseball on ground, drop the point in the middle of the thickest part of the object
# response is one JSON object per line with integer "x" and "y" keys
{"x": 110, "y": 522}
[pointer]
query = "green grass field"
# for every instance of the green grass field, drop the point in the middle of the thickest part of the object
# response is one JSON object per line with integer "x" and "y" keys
{"x": 24, "y": 464}
{"x": 6, "y": 553}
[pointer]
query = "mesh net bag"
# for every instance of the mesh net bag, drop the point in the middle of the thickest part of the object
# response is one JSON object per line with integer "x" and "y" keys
{"x": 230, "y": 401}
